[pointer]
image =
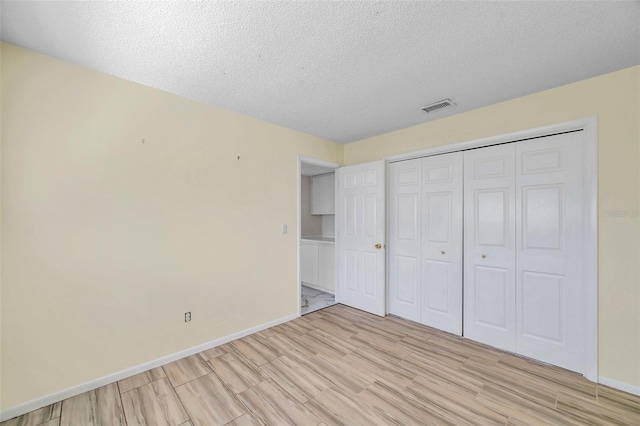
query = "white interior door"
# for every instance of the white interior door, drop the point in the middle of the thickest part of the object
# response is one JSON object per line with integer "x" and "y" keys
{"x": 405, "y": 236}
{"x": 489, "y": 246}
{"x": 441, "y": 277}
{"x": 550, "y": 221}
{"x": 361, "y": 237}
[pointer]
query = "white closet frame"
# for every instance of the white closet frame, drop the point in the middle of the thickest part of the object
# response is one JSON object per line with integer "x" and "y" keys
{"x": 590, "y": 255}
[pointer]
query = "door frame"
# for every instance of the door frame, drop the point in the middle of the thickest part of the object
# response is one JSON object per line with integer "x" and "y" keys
{"x": 315, "y": 162}
{"x": 590, "y": 254}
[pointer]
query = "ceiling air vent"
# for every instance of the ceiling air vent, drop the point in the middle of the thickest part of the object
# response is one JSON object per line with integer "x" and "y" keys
{"x": 445, "y": 103}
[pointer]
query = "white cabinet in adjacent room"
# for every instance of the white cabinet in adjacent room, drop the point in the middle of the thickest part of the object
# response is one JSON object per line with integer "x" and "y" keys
{"x": 323, "y": 191}
{"x": 327, "y": 267}
{"x": 318, "y": 263}
{"x": 309, "y": 262}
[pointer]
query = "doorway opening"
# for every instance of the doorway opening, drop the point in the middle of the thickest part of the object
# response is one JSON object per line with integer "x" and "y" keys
{"x": 316, "y": 235}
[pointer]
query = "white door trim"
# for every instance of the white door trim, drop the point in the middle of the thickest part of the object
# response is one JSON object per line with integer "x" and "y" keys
{"x": 590, "y": 264}
{"x": 317, "y": 162}
{"x": 590, "y": 255}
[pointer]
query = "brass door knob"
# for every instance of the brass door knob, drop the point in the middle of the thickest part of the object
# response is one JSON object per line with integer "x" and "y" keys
{"x": 443, "y": 252}
{"x": 378, "y": 246}
{"x": 484, "y": 256}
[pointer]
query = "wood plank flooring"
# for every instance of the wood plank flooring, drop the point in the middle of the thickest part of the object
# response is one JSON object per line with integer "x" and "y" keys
{"x": 341, "y": 366}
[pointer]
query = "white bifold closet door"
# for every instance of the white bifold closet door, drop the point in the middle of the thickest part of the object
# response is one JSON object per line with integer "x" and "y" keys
{"x": 425, "y": 231}
{"x": 489, "y": 246}
{"x": 405, "y": 236}
{"x": 550, "y": 212}
{"x": 524, "y": 230}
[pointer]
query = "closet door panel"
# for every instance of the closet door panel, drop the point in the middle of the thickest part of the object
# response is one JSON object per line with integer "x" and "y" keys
{"x": 489, "y": 246}
{"x": 550, "y": 223}
{"x": 441, "y": 242}
{"x": 404, "y": 239}
{"x": 436, "y": 294}
{"x": 492, "y": 296}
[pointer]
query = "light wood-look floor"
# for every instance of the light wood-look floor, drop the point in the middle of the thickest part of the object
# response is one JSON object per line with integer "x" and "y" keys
{"x": 342, "y": 366}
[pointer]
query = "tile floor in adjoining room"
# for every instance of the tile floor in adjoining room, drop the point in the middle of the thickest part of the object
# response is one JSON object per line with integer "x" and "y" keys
{"x": 313, "y": 300}
{"x": 341, "y": 366}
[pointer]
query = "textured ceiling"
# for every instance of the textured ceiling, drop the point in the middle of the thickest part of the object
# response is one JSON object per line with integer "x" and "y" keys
{"x": 340, "y": 70}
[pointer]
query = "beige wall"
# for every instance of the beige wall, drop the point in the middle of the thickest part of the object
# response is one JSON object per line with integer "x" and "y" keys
{"x": 111, "y": 240}
{"x": 615, "y": 99}
{"x": 309, "y": 224}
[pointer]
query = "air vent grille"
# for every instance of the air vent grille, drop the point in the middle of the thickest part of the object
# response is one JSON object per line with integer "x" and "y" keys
{"x": 445, "y": 103}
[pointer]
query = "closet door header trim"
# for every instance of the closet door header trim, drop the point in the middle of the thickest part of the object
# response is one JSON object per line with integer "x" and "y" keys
{"x": 538, "y": 132}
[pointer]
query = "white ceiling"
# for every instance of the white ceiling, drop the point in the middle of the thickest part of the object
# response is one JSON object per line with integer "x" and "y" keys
{"x": 340, "y": 70}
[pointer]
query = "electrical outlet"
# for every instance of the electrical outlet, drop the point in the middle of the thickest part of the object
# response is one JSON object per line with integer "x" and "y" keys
{"x": 187, "y": 316}
{"x": 285, "y": 228}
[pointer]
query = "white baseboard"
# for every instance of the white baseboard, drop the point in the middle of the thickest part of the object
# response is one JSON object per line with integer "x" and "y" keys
{"x": 633, "y": 389}
{"x": 37, "y": 403}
